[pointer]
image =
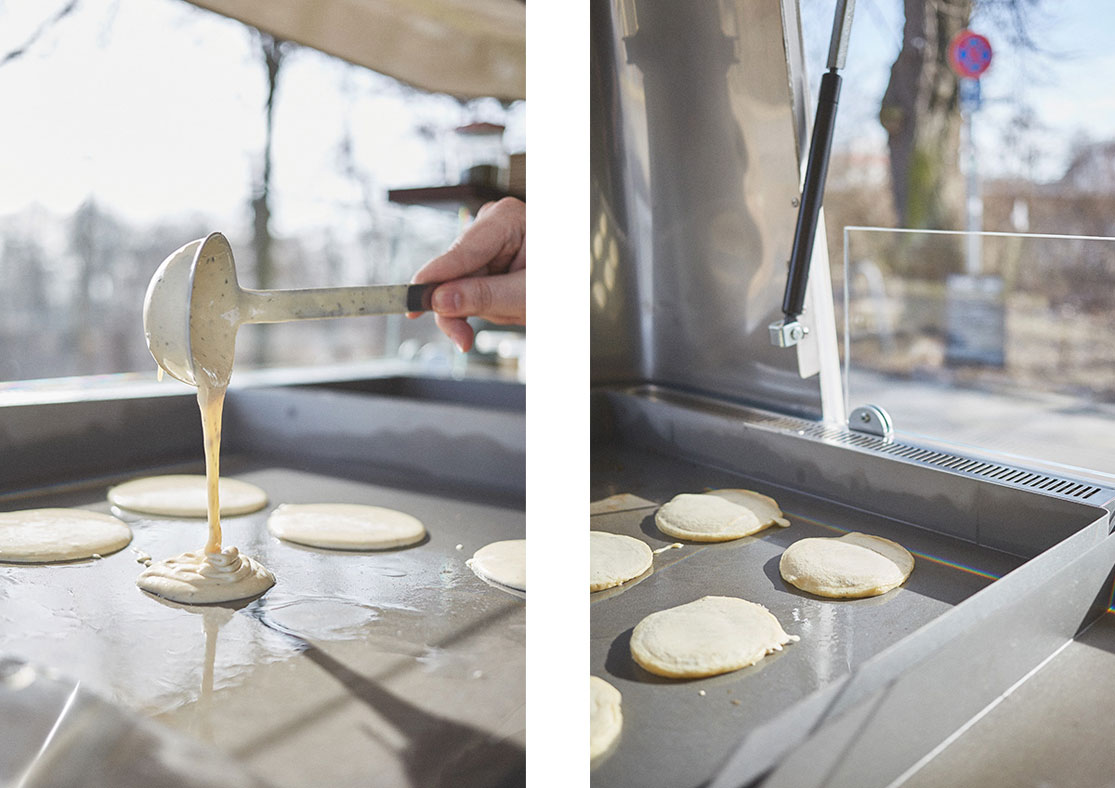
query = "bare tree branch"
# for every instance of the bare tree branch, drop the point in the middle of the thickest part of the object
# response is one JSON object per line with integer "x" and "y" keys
{"x": 40, "y": 31}
{"x": 1015, "y": 20}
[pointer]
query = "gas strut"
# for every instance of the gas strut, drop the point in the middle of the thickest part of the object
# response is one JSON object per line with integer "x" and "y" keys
{"x": 789, "y": 331}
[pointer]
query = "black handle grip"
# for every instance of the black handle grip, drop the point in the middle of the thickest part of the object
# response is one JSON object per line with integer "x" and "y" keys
{"x": 812, "y": 194}
{"x": 419, "y": 297}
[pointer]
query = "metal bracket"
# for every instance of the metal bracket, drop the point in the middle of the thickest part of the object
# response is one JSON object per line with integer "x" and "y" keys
{"x": 788, "y": 332}
{"x": 785, "y": 333}
{"x": 871, "y": 419}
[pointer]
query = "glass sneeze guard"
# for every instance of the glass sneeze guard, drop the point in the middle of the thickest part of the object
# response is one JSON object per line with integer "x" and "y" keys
{"x": 999, "y": 345}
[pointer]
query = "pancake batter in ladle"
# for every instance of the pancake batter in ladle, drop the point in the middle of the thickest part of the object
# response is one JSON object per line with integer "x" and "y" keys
{"x": 193, "y": 309}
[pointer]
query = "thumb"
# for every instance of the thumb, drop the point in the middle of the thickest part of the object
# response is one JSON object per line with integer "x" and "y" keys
{"x": 500, "y": 298}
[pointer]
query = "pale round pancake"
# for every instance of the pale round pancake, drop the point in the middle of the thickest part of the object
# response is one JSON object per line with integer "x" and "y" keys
{"x": 614, "y": 559}
{"x": 345, "y": 526}
{"x": 201, "y": 578}
{"x": 185, "y": 495}
{"x": 605, "y": 717}
{"x": 39, "y": 536}
{"x": 851, "y": 566}
{"x": 713, "y": 635}
{"x": 718, "y": 515}
{"x": 504, "y": 563}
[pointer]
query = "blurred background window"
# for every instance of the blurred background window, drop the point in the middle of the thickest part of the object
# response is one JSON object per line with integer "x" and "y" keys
{"x": 997, "y": 341}
{"x": 134, "y": 126}
{"x": 1044, "y": 131}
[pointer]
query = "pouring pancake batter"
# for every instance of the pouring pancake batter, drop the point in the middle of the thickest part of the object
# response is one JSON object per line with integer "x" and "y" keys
{"x": 212, "y": 574}
{"x": 191, "y": 313}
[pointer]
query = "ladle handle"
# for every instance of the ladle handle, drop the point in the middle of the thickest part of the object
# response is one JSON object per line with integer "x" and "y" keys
{"x": 280, "y": 306}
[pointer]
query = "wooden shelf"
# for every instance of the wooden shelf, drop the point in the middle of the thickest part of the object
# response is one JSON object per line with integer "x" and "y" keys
{"x": 471, "y": 195}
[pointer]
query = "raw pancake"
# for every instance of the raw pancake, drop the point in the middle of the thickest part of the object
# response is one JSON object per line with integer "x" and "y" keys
{"x": 851, "y": 566}
{"x": 205, "y": 578}
{"x": 718, "y": 515}
{"x": 615, "y": 559}
{"x": 345, "y": 526}
{"x": 605, "y": 716}
{"x": 184, "y": 495}
{"x": 502, "y": 562}
{"x": 36, "y": 536}
{"x": 715, "y": 634}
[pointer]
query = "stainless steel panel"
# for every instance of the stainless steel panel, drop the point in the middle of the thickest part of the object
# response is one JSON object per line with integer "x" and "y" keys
{"x": 932, "y": 642}
{"x": 391, "y": 668}
{"x": 469, "y": 433}
{"x": 695, "y": 174}
{"x": 882, "y": 737}
{"x": 1062, "y": 714}
{"x": 453, "y": 446}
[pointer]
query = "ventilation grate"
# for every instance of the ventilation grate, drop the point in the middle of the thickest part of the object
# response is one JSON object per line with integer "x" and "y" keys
{"x": 1005, "y": 474}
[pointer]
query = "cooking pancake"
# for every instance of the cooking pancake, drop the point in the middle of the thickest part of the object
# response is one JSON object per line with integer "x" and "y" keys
{"x": 851, "y": 566}
{"x": 605, "y": 716}
{"x": 503, "y": 562}
{"x": 614, "y": 559}
{"x": 206, "y": 578}
{"x": 713, "y": 635}
{"x": 718, "y": 515}
{"x": 37, "y": 536}
{"x": 185, "y": 495}
{"x": 345, "y": 526}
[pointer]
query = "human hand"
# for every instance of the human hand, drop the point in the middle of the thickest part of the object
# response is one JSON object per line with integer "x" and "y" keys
{"x": 483, "y": 274}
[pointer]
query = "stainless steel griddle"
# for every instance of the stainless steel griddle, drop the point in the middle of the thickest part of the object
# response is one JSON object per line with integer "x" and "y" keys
{"x": 896, "y": 673}
{"x": 392, "y": 668}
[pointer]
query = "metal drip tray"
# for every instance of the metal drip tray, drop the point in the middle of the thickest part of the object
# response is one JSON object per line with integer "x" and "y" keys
{"x": 391, "y": 668}
{"x": 873, "y": 684}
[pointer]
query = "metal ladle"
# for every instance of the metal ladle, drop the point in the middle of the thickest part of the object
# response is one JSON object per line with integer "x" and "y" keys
{"x": 194, "y": 307}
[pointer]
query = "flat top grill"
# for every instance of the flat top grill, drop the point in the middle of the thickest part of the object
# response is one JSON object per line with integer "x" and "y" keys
{"x": 390, "y": 668}
{"x": 688, "y": 733}
{"x": 836, "y": 636}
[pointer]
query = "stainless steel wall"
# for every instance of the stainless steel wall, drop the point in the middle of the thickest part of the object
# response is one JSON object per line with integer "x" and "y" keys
{"x": 697, "y": 122}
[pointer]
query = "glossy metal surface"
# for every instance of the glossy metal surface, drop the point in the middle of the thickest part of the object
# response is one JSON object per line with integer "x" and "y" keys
{"x": 391, "y": 668}
{"x": 897, "y": 672}
{"x": 697, "y": 120}
{"x": 1063, "y": 714}
{"x": 58, "y": 734}
{"x": 951, "y": 680}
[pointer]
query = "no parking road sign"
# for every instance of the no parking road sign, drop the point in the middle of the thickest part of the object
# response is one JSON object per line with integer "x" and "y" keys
{"x": 969, "y": 54}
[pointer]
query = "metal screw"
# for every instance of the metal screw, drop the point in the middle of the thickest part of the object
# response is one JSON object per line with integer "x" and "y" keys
{"x": 795, "y": 202}
{"x": 865, "y": 417}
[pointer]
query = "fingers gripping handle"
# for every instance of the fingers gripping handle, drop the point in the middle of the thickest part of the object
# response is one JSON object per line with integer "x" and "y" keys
{"x": 420, "y": 297}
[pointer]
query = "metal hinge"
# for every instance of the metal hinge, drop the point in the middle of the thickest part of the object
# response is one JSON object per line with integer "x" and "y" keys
{"x": 872, "y": 420}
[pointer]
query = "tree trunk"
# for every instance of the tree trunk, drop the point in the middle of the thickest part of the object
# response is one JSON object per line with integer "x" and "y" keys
{"x": 273, "y": 50}
{"x": 922, "y": 118}
{"x": 261, "y": 209}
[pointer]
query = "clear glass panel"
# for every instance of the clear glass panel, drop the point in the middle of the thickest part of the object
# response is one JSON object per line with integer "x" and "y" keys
{"x": 991, "y": 342}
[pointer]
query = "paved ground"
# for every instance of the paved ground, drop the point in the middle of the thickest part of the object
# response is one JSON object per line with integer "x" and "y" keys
{"x": 1056, "y": 430}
